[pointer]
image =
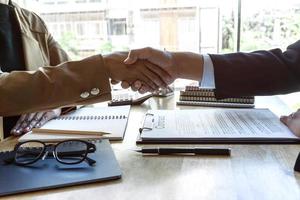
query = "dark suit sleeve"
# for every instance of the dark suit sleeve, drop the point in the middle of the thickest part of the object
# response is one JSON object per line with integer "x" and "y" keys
{"x": 257, "y": 73}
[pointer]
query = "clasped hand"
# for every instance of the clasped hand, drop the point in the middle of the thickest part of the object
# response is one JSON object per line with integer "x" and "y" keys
{"x": 144, "y": 70}
{"x": 154, "y": 68}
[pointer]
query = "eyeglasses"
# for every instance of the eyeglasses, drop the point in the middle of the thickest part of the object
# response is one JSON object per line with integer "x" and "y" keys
{"x": 67, "y": 152}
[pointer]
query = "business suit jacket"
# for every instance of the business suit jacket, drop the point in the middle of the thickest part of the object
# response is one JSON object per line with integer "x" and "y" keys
{"x": 257, "y": 73}
{"x": 50, "y": 81}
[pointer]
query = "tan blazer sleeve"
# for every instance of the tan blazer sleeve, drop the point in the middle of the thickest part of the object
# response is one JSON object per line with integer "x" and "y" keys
{"x": 66, "y": 84}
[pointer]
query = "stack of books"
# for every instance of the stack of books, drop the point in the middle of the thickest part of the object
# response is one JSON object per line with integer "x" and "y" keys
{"x": 197, "y": 96}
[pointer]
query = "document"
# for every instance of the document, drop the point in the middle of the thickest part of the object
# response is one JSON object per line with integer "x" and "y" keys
{"x": 215, "y": 125}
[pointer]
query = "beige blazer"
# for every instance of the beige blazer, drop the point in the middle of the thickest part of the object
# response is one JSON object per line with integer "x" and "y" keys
{"x": 50, "y": 81}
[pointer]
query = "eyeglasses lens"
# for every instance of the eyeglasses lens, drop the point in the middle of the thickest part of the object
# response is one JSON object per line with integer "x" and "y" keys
{"x": 71, "y": 152}
{"x": 28, "y": 152}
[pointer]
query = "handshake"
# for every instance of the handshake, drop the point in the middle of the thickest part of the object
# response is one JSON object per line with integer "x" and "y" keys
{"x": 148, "y": 69}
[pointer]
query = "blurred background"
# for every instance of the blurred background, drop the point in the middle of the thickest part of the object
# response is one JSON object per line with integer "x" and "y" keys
{"x": 87, "y": 27}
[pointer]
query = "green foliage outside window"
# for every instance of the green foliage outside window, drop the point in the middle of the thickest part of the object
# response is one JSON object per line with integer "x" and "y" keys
{"x": 268, "y": 28}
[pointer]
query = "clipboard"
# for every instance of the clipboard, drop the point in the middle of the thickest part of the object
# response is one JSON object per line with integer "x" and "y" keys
{"x": 149, "y": 124}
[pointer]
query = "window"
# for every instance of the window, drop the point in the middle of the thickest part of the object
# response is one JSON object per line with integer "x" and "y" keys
{"x": 90, "y": 29}
{"x": 151, "y": 31}
{"x": 48, "y": 2}
{"x": 80, "y": 29}
{"x": 117, "y": 26}
{"x": 269, "y": 25}
{"x": 178, "y": 25}
{"x": 80, "y": 1}
{"x": 193, "y": 25}
{"x": 68, "y": 27}
{"x": 187, "y": 37}
{"x": 62, "y": 1}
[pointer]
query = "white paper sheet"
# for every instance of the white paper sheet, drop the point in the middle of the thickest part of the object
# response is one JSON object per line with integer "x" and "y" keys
{"x": 215, "y": 124}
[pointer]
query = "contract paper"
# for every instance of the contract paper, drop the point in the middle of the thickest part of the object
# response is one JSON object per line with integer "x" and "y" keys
{"x": 215, "y": 124}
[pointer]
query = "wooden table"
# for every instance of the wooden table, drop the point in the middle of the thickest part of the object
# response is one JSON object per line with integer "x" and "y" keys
{"x": 252, "y": 171}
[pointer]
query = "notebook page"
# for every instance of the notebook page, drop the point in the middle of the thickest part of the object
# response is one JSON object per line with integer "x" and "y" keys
{"x": 86, "y": 121}
{"x": 216, "y": 123}
{"x": 106, "y": 119}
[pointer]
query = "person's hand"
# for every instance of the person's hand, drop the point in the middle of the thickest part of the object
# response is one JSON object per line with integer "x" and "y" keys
{"x": 136, "y": 86}
{"x": 177, "y": 64}
{"x": 163, "y": 59}
{"x": 292, "y": 122}
{"x": 33, "y": 120}
{"x": 147, "y": 74}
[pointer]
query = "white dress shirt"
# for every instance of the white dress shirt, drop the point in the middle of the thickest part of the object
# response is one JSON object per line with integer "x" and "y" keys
{"x": 208, "y": 76}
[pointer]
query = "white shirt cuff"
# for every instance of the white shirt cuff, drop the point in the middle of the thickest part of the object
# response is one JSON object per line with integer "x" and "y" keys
{"x": 208, "y": 76}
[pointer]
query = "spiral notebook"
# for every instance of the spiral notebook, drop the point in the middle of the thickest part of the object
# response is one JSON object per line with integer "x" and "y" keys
{"x": 84, "y": 123}
{"x": 199, "y": 96}
{"x": 215, "y": 104}
{"x": 244, "y": 100}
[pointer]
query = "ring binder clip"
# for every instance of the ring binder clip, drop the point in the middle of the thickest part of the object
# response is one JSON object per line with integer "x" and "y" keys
{"x": 147, "y": 127}
{"x": 144, "y": 128}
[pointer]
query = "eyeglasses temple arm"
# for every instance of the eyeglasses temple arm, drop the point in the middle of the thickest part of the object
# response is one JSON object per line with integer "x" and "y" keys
{"x": 90, "y": 161}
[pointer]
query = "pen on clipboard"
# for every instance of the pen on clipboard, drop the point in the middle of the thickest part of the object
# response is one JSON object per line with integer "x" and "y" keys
{"x": 191, "y": 151}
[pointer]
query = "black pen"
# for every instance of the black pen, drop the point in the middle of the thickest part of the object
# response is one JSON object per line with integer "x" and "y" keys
{"x": 179, "y": 150}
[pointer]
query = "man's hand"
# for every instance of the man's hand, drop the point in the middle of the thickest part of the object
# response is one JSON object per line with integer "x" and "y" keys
{"x": 149, "y": 75}
{"x": 177, "y": 64}
{"x": 34, "y": 120}
{"x": 163, "y": 59}
{"x": 292, "y": 122}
